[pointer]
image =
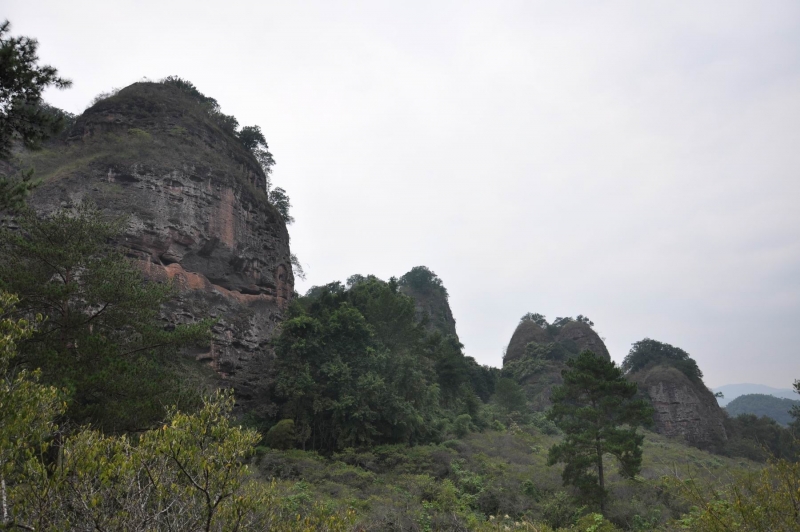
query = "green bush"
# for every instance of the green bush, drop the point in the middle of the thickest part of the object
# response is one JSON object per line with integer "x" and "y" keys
{"x": 281, "y": 435}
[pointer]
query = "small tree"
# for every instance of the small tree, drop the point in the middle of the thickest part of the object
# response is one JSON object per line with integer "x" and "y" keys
{"x": 280, "y": 200}
{"x": 253, "y": 139}
{"x": 510, "y": 396}
{"x": 538, "y": 319}
{"x": 23, "y": 115}
{"x": 596, "y": 409}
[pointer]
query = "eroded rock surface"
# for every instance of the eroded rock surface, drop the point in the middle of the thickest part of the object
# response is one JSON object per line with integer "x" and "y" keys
{"x": 536, "y": 355}
{"x": 197, "y": 214}
{"x": 683, "y": 408}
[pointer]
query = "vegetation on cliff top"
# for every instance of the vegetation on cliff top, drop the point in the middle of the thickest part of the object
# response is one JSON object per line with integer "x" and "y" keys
{"x": 650, "y": 353}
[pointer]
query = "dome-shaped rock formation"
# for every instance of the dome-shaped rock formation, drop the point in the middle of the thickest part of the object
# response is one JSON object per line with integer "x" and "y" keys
{"x": 537, "y": 353}
{"x": 683, "y": 407}
{"x": 197, "y": 213}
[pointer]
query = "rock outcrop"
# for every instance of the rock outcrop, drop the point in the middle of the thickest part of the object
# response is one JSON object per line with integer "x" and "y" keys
{"x": 684, "y": 408}
{"x": 196, "y": 213}
{"x": 430, "y": 300}
{"x": 536, "y": 355}
{"x": 432, "y": 309}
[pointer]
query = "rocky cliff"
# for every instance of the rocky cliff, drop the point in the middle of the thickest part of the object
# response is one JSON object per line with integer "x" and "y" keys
{"x": 430, "y": 300}
{"x": 196, "y": 213}
{"x": 684, "y": 408}
{"x": 537, "y": 354}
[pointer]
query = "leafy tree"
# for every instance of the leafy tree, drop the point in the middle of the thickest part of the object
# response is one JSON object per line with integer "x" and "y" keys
{"x": 510, "y": 396}
{"x": 253, "y": 140}
{"x": 596, "y": 410}
{"x": 538, "y": 319}
{"x": 422, "y": 279}
{"x": 27, "y": 408}
{"x": 24, "y": 117}
{"x": 187, "y": 476}
{"x": 795, "y": 411}
{"x": 22, "y": 81}
{"x": 102, "y": 338}
{"x": 281, "y": 435}
{"x": 759, "y": 439}
{"x": 280, "y": 200}
{"x": 647, "y": 353}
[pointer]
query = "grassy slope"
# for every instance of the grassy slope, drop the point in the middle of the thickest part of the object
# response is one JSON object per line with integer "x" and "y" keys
{"x": 491, "y": 473}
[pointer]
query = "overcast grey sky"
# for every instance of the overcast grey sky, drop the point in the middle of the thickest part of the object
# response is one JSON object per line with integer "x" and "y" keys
{"x": 636, "y": 162}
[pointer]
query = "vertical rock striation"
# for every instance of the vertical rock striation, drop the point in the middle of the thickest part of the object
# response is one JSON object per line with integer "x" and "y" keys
{"x": 683, "y": 408}
{"x": 197, "y": 214}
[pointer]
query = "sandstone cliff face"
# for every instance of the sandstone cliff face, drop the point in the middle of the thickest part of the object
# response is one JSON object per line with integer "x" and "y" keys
{"x": 683, "y": 408}
{"x": 536, "y": 356}
{"x": 197, "y": 214}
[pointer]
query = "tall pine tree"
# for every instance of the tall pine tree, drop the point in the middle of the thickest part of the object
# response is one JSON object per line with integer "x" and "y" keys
{"x": 596, "y": 409}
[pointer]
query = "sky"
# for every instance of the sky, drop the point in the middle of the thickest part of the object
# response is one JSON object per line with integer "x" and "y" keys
{"x": 635, "y": 162}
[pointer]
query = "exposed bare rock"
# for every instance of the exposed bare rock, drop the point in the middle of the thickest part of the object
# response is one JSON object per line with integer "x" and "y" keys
{"x": 536, "y": 355}
{"x": 433, "y": 309}
{"x": 525, "y": 333}
{"x": 197, "y": 214}
{"x": 584, "y": 338}
{"x": 683, "y": 408}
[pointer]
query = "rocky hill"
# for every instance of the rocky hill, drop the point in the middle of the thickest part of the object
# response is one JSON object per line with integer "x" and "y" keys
{"x": 430, "y": 300}
{"x": 537, "y": 352}
{"x": 684, "y": 406}
{"x": 197, "y": 213}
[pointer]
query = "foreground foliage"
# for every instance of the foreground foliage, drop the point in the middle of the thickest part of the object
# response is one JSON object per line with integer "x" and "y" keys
{"x": 764, "y": 501}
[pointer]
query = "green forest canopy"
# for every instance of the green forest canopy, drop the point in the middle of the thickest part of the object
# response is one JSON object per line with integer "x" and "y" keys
{"x": 649, "y": 353}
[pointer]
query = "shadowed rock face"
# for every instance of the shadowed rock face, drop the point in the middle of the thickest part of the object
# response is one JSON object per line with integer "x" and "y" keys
{"x": 197, "y": 214}
{"x": 433, "y": 307}
{"x": 536, "y": 356}
{"x": 683, "y": 408}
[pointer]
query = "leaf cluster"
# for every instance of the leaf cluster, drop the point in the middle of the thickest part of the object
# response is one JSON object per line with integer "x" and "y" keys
{"x": 649, "y": 353}
{"x": 422, "y": 279}
{"x": 23, "y": 117}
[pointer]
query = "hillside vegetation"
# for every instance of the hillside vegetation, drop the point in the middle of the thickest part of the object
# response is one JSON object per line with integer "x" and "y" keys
{"x": 763, "y": 405}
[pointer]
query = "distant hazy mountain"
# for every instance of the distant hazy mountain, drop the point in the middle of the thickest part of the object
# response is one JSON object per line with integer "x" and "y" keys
{"x": 763, "y": 405}
{"x": 732, "y": 391}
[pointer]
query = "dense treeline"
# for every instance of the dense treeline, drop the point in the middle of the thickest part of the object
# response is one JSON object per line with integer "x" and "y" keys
{"x": 356, "y": 368}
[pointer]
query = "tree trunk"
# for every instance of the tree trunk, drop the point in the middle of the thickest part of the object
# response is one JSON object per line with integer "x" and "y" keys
{"x": 600, "y": 477}
{"x": 5, "y": 502}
